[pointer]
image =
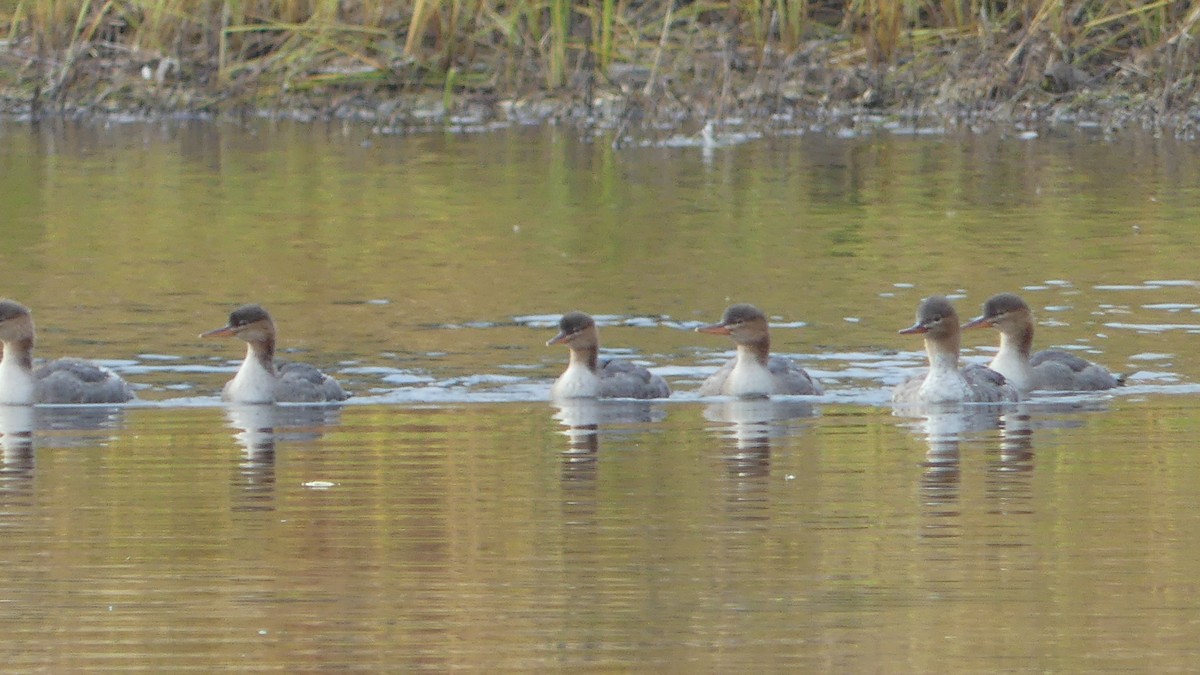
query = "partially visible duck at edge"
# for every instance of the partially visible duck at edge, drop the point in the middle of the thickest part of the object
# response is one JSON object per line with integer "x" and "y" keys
{"x": 753, "y": 372}
{"x": 945, "y": 382}
{"x": 1049, "y": 369}
{"x": 263, "y": 380}
{"x": 587, "y": 377}
{"x": 59, "y": 381}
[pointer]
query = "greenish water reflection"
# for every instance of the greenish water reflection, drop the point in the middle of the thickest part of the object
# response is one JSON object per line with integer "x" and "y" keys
{"x": 486, "y": 535}
{"x": 130, "y": 239}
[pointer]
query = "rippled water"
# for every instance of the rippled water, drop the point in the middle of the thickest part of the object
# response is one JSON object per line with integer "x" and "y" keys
{"x": 448, "y": 517}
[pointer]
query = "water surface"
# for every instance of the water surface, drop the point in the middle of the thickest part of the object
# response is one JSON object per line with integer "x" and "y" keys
{"x": 448, "y": 517}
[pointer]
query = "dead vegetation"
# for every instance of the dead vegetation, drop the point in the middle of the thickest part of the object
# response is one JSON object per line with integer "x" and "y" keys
{"x": 605, "y": 61}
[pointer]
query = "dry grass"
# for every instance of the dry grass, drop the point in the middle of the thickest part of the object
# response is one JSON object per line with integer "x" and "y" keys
{"x": 248, "y": 47}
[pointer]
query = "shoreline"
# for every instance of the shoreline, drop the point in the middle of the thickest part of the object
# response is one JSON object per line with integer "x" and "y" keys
{"x": 632, "y": 116}
{"x": 759, "y": 87}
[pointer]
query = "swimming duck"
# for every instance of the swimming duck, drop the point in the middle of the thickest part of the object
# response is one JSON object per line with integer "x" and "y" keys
{"x": 586, "y": 377}
{"x": 1051, "y": 369}
{"x": 261, "y": 379}
{"x": 945, "y": 382}
{"x": 753, "y": 371}
{"x": 59, "y": 381}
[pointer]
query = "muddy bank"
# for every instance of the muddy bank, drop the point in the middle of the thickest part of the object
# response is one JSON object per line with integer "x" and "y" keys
{"x": 822, "y": 82}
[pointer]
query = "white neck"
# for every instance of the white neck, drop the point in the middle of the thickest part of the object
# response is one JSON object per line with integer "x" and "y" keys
{"x": 944, "y": 383}
{"x": 16, "y": 379}
{"x": 577, "y": 381}
{"x": 253, "y": 382}
{"x": 1013, "y": 364}
{"x": 749, "y": 377}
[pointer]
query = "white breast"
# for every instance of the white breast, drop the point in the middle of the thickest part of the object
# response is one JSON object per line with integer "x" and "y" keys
{"x": 1014, "y": 368}
{"x": 252, "y": 384}
{"x": 576, "y": 382}
{"x": 16, "y": 383}
{"x": 944, "y": 386}
{"x": 749, "y": 378}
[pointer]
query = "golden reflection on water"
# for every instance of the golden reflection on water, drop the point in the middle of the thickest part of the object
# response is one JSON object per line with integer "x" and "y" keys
{"x": 517, "y": 535}
{"x": 769, "y": 535}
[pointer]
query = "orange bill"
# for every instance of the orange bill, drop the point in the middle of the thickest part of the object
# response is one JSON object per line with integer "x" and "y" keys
{"x": 977, "y": 322}
{"x": 223, "y": 331}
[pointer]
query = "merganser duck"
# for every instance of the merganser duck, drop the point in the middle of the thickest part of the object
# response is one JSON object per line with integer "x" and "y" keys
{"x": 59, "y": 381}
{"x": 586, "y": 377}
{"x": 1051, "y": 369}
{"x": 945, "y": 382}
{"x": 753, "y": 372}
{"x": 260, "y": 379}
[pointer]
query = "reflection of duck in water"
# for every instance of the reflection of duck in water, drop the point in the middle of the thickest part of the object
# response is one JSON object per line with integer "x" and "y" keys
{"x": 753, "y": 371}
{"x": 769, "y": 413}
{"x": 749, "y": 425}
{"x": 74, "y": 427}
{"x": 581, "y": 419}
{"x": 258, "y": 427}
{"x": 260, "y": 379}
{"x": 59, "y": 381}
{"x": 586, "y": 377}
{"x": 945, "y": 382}
{"x": 584, "y": 420}
{"x": 16, "y": 457}
{"x": 1051, "y": 369}
{"x": 16, "y": 433}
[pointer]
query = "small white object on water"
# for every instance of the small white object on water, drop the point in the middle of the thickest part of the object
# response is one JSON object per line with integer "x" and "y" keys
{"x": 319, "y": 484}
{"x": 1151, "y": 356}
{"x": 1171, "y": 306}
{"x": 851, "y": 319}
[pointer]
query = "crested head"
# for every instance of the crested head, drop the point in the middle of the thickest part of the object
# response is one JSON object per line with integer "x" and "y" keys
{"x": 746, "y": 325}
{"x": 11, "y": 309}
{"x": 935, "y": 316}
{"x": 16, "y": 322}
{"x": 1008, "y": 313}
{"x": 935, "y": 307}
{"x": 1003, "y": 303}
{"x": 573, "y": 322}
{"x": 741, "y": 313}
{"x": 577, "y": 330}
{"x": 251, "y": 323}
{"x": 247, "y": 314}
